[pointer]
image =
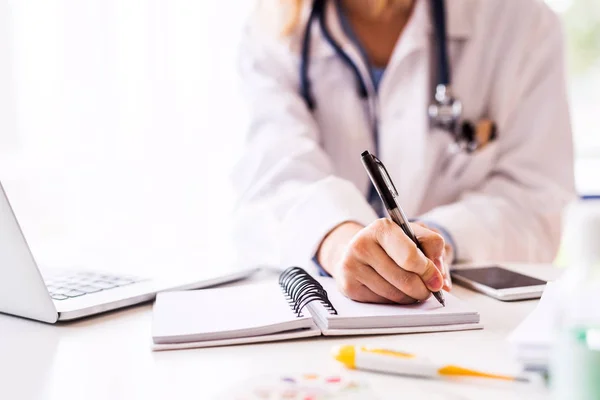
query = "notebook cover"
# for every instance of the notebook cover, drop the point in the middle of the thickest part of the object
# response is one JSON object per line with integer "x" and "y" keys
{"x": 246, "y": 340}
{"x": 390, "y": 331}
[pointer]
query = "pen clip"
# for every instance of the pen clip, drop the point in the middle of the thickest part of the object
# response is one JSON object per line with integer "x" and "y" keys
{"x": 386, "y": 176}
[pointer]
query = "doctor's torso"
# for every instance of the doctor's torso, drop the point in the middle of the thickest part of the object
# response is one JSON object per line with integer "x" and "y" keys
{"x": 487, "y": 45}
{"x": 301, "y": 174}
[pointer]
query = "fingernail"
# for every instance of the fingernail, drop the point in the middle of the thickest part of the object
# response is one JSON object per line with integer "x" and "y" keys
{"x": 435, "y": 283}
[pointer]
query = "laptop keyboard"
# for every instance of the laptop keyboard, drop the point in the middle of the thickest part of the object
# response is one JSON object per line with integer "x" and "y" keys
{"x": 76, "y": 284}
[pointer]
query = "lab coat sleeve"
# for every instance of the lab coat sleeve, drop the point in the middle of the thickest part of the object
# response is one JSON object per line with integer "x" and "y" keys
{"x": 289, "y": 196}
{"x": 516, "y": 214}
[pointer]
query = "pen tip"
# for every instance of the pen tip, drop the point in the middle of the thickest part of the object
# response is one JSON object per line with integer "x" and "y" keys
{"x": 440, "y": 298}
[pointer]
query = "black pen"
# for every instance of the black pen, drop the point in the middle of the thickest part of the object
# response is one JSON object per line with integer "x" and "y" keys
{"x": 388, "y": 193}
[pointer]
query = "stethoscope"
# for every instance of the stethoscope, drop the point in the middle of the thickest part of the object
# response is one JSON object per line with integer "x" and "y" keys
{"x": 445, "y": 111}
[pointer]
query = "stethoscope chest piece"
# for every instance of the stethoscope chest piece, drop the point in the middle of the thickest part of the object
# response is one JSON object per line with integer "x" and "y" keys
{"x": 446, "y": 114}
{"x": 446, "y": 110}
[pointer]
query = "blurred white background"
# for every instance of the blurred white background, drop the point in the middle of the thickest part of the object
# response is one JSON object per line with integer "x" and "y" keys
{"x": 581, "y": 21}
{"x": 120, "y": 119}
{"x": 118, "y": 127}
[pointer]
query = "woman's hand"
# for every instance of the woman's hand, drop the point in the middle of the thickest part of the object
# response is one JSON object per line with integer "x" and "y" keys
{"x": 447, "y": 259}
{"x": 380, "y": 264}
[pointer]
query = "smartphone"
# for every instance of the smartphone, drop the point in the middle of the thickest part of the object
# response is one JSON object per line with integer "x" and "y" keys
{"x": 500, "y": 283}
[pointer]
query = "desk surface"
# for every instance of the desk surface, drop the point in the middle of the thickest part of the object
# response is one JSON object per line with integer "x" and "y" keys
{"x": 109, "y": 357}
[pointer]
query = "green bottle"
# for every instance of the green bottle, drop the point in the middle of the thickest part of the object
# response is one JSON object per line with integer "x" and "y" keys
{"x": 575, "y": 359}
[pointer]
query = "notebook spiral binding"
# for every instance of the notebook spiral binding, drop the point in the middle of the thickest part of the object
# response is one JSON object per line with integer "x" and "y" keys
{"x": 301, "y": 289}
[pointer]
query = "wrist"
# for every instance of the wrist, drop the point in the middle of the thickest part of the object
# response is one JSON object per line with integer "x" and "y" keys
{"x": 334, "y": 245}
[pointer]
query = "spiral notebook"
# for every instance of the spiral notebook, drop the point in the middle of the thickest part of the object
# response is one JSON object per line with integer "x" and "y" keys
{"x": 297, "y": 306}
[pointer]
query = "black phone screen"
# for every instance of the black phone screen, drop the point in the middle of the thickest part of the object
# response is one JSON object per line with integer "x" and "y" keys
{"x": 498, "y": 278}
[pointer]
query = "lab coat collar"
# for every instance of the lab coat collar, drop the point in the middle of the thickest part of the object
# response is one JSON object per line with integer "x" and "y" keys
{"x": 460, "y": 25}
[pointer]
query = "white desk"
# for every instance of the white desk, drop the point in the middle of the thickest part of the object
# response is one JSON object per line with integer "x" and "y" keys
{"x": 109, "y": 357}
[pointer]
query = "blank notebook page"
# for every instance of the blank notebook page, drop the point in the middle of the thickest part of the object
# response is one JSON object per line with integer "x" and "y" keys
{"x": 224, "y": 313}
{"x": 352, "y": 314}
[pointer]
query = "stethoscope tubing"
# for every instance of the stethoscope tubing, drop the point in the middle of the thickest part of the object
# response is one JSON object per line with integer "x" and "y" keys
{"x": 445, "y": 112}
{"x": 318, "y": 14}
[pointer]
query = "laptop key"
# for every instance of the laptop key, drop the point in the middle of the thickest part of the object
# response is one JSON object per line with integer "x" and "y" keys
{"x": 103, "y": 285}
{"x": 74, "y": 293}
{"x": 123, "y": 282}
{"x": 72, "y": 285}
{"x": 89, "y": 289}
{"x": 59, "y": 297}
{"x": 61, "y": 290}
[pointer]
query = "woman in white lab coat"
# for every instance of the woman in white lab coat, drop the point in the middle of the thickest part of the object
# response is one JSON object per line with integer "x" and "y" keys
{"x": 304, "y": 195}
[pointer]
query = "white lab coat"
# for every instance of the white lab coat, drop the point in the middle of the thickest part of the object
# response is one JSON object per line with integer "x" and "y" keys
{"x": 301, "y": 174}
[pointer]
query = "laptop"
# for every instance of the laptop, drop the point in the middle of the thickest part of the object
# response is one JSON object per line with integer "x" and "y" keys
{"x": 63, "y": 295}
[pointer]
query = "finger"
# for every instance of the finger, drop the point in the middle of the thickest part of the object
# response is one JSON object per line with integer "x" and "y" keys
{"x": 431, "y": 241}
{"x": 433, "y": 246}
{"x": 444, "y": 266}
{"x": 405, "y": 253}
{"x": 427, "y": 271}
{"x": 447, "y": 278}
{"x": 448, "y": 257}
{"x": 378, "y": 285}
{"x": 363, "y": 294}
{"x": 440, "y": 261}
{"x": 380, "y": 264}
{"x": 448, "y": 284}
